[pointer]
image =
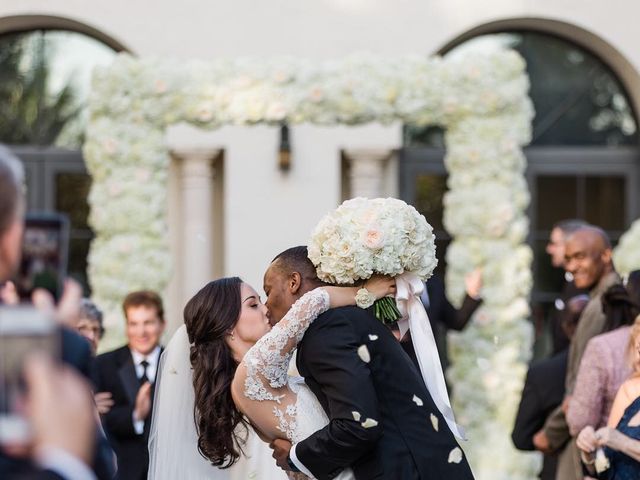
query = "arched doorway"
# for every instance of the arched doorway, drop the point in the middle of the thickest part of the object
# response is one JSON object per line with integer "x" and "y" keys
{"x": 45, "y": 74}
{"x": 583, "y": 161}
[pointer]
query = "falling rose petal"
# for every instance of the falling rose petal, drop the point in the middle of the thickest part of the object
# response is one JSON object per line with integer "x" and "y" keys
{"x": 373, "y": 337}
{"x": 369, "y": 422}
{"x": 417, "y": 400}
{"x": 363, "y": 353}
{"x": 455, "y": 455}
{"x": 434, "y": 422}
{"x": 356, "y": 416}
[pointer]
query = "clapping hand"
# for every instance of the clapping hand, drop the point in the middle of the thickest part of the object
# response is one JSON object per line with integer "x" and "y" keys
{"x": 143, "y": 402}
{"x": 587, "y": 441}
{"x": 104, "y": 402}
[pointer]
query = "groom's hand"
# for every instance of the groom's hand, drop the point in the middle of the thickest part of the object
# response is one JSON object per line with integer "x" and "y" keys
{"x": 281, "y": 449}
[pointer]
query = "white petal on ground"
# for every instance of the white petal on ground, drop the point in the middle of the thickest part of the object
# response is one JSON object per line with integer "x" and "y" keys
{"x": 369, "y": 422}
{"x": 455, "y": 455}
{"x": 417, "y": 400}
{"x": 356, "y": 416}
{"x": 434, "y": 422}
{"x": 373, "y": 337}
{"x": 363, "y": 353}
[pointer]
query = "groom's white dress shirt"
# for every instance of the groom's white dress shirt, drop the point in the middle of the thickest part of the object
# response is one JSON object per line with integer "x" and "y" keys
{"x": 298, "y": 463}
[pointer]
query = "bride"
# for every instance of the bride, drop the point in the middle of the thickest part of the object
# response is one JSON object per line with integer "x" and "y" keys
{"x": 225, "y": 370}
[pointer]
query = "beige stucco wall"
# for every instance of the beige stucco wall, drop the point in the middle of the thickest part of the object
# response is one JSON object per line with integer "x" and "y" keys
{"x": 265, "y": 210}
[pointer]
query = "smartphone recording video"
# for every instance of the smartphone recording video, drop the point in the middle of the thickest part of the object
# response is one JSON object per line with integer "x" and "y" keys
{"x": 23, "y": 331}
{"x": 45, "y": 247}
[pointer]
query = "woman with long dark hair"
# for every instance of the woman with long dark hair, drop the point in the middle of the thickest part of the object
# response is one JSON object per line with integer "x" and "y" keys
{"x": 236, "y": 363}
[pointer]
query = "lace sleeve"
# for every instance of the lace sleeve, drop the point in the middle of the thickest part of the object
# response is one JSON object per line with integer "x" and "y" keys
{"x": 267, "y": 362}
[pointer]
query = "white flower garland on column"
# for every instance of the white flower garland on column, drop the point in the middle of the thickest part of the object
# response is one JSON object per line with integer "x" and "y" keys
{"x": 481, "y": 100}
{"x": 626, "y": 256}
{"x": 485, "y": 212}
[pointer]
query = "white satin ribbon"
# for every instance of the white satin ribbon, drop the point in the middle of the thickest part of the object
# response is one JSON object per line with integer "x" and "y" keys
{"x": 414, "y": 319}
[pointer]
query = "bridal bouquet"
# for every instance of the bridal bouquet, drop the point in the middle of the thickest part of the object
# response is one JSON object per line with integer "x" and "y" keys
{"x": 363, "y": 237}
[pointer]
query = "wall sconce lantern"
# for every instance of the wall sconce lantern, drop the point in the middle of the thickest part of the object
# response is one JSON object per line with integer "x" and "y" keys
{"x": 284, "y": 153}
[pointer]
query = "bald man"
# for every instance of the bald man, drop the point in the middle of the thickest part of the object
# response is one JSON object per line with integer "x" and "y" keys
{"x": 588, "y": 259}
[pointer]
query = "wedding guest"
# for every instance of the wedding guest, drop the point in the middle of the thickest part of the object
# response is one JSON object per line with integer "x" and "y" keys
{"x": 588, "y": 259}
{"x": 632, "y": 284}
{"x": 90, "y": 323}
{"x": 603, "y": 368}
{"x": 544, "y": 390}
{"x": 555, "y": 249}
{"x": 64, "y": 442}
{"x": 60, "y": 412}
{"x": 444, "y": 316}
{"x": 128, "y": 373}
{"x": 90, "y": 327}
{"x": 621, "y": 436}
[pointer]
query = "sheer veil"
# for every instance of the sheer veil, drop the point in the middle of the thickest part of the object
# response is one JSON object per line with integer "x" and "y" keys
{"x": 173, "y": 440}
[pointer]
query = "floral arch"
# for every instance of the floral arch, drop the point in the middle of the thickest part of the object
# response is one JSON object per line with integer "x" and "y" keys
{"x": 481, "y": 101}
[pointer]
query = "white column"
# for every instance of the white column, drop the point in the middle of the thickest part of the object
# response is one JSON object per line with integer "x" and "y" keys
{"x": 197, "y": 174}
{"x": 367, "y": 171}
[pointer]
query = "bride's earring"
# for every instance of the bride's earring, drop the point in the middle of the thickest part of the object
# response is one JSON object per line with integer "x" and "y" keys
{"x": 232, "y": 337}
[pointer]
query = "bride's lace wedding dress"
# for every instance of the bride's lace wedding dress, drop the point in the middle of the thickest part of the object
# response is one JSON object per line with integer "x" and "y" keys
{"x": 277, "y": 404}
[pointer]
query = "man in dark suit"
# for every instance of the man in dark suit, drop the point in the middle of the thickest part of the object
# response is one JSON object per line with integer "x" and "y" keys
{"x": 544, "y": 391}
{"x": 383, "y": 422}
{"x": 443, "y": 316}
{"x": 128, "y": 373}
{"x": 555, "y": 249}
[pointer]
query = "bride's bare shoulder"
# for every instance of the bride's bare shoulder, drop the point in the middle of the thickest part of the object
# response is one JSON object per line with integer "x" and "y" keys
{"x": 237, "y": 385}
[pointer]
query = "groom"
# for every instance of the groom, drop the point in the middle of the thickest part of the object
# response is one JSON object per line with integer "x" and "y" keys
{"x": 383, "y": 422}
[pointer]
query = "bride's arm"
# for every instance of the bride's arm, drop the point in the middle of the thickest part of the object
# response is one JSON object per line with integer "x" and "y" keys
{"x": 267, "y": 361}
{"x": 262, "y": 375}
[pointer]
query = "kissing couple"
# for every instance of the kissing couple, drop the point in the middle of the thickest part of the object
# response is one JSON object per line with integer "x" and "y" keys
{"x": 361, "y": 409}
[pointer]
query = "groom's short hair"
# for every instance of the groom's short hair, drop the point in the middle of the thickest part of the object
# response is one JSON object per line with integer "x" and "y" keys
{"x": 296, "y": 259}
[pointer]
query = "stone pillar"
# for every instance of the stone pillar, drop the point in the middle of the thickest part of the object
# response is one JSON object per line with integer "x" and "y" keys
{"x": 367, "y": 172}
{"x": 197, "y": 248}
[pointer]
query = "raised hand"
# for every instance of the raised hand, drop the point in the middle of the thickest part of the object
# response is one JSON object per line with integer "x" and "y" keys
{"x": 143, "y": 402}
{"x": 381, "y": 286}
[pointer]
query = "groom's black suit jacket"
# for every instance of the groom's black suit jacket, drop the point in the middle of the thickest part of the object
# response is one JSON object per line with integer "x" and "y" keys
{"x": 115, "y": 372}
{"x": 404, "y": 444}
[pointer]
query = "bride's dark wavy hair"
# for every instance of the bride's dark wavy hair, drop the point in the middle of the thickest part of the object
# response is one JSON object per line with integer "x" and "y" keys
{"x": 210, "y": 316}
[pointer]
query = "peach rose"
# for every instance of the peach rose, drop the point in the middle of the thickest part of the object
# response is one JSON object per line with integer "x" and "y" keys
{"x": 373, "y": 238}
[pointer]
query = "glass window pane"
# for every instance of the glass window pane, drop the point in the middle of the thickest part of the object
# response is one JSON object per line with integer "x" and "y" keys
{"x": 577, "y": 99}
{"x": 72, "y": 190}
{"x": 547, "y": 277}
{"x": 442, "y": 243}
{"x": 430, "y": 189}
{"x": 605, "y": 202}
{"x": 44, "y": 85}
{"x": 78, "y": 252}
{"x": 557, "y": 199}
